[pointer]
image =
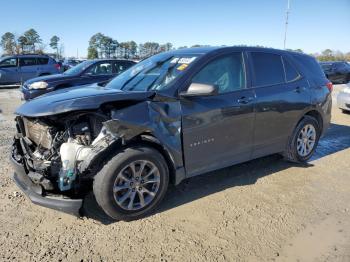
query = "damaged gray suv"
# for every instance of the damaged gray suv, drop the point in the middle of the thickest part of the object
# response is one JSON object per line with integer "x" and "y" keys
{"x": 172, "y": 116}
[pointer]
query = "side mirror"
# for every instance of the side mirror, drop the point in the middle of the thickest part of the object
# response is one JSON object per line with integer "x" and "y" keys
{"x": 197, "y": 89}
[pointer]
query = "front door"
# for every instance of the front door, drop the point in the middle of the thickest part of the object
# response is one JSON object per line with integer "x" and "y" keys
{"x": 218, "y": 130}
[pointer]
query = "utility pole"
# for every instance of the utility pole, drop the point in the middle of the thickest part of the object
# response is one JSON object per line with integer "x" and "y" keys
{"x": 286, "y": 26}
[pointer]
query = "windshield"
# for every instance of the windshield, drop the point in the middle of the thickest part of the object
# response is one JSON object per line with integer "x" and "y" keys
{"x": 78, "y": 68}
{"x": 154, "y": 73}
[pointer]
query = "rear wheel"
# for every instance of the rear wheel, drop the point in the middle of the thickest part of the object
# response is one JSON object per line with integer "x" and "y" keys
{"x": 303, "y": 141}
{"x": 132, "y": 183}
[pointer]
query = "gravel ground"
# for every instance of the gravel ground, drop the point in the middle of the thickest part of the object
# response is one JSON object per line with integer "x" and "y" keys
{"x": 263, "y": 210}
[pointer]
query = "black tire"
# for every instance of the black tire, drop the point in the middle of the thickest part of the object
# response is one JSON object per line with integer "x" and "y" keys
{"x": 345, "y": 111}
{"x": 106, "y": 177}
{"x": 291, "y": 153}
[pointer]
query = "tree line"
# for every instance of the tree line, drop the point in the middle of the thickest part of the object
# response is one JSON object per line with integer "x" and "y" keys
{"x": 331, "y": 55}
{"x": 29, "y": 42}
{"x": 103, "y": 46}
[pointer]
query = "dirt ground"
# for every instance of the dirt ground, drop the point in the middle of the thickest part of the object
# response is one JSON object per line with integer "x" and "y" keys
{"x": 263, "y": 210}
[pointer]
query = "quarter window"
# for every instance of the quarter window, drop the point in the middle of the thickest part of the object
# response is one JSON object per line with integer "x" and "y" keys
{"x": 226, "y": 72}
{"x": 268, "y": 69}
{"x": 291, "y": 73}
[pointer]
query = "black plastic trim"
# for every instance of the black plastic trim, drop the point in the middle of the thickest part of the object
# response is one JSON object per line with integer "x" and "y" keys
{"x": 34, "y": 193}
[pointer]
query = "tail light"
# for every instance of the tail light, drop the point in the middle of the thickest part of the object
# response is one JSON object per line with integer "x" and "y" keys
{"x": 330, "y": 86}
{"x": 58, "y": 66}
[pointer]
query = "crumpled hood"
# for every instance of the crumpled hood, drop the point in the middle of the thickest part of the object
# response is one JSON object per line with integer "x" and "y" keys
{"x": 77, "y": 98}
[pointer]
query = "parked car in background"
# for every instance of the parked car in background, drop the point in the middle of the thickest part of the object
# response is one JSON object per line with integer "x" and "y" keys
{"x": 172, "y": 116}
{"x": 18, "y": 68}
{"x": 69, "y": 63}
{"x": 343, "y": 99}
{"x": 337, "y": 72}
{"x": 88, "y": 72}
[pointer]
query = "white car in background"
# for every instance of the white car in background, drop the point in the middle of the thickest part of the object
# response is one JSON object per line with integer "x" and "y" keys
{"x": 343, "y": 99}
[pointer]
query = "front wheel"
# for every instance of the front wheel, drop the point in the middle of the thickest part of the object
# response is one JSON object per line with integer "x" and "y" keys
{"x": 303, "y": 141}
{"x": 132, "y": 183}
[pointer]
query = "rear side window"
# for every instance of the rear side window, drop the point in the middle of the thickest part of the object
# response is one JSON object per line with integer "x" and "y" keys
{"x": 310, "y": 68}
{"x": 43, "y": 60}
{"x": 268, "y": 69}
{"x": 28, "y": 61}
{"x": 291, "y": 73}
{"x": 121, "y": 66}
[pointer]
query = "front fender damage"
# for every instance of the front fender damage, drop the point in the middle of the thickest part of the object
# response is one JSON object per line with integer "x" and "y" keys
{"x": 161, "y": 120}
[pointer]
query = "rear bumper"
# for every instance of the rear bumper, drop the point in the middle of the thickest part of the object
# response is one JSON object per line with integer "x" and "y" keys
{"x": 36, "y": 194}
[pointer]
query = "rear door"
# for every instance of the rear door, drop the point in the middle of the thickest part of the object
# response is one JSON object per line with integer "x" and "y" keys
{"x": 281, "y": 95}
{"x": 218, "y": 130}
{"x": 28, "y": 68}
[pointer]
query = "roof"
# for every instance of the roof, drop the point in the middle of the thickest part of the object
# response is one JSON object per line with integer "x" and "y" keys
{"x": 205, "y": 50}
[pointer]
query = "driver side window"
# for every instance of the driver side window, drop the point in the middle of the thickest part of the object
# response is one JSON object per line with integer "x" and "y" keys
{"x": 227, "y": 73}
{"x": 100, "y": 69}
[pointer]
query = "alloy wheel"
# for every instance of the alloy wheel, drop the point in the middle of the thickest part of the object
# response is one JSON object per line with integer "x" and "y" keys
{"x": 136, "y": 185}
{"x": 306, "y": 140}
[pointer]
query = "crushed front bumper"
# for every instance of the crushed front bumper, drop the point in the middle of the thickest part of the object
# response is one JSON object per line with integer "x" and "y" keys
{"x": 36, "y": 193}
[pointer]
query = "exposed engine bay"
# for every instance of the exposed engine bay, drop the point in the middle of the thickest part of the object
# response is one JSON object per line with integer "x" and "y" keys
{"x": 55, "y": 147}
{"x": 58, "y": 151}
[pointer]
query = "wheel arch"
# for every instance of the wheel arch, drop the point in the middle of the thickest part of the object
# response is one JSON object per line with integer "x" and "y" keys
{"x": 149, "y": 140}
{"x": 315, "y": 114}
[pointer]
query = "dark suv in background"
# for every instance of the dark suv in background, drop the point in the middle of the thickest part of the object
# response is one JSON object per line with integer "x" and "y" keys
{"x": 173, "y": 116}
{"x": 337, "y": 72}
{"x": 18, "y": 68}
{"x": 87, "y": 72}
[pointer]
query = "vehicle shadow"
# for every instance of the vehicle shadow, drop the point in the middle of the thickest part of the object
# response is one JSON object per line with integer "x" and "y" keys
{"x": 336, "y": 139}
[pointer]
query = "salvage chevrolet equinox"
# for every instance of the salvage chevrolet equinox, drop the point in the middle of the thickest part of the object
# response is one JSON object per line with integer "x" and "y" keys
{"x": 173, "y": 116}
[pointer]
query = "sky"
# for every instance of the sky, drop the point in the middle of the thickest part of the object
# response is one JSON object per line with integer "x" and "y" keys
{"x": 314, "y": 25}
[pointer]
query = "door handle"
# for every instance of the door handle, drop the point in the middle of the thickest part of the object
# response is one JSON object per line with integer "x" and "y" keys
{"x": 245, "y": 100}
